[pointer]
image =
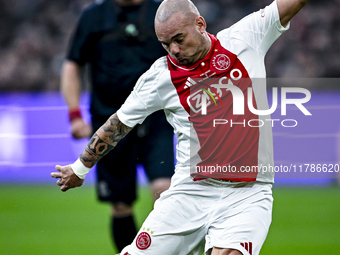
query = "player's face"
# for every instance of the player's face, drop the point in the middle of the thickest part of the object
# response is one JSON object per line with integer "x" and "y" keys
{"x": 183, "y": 38}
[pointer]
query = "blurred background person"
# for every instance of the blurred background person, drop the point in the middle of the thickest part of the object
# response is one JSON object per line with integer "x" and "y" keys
{"x": 115, "y": 39}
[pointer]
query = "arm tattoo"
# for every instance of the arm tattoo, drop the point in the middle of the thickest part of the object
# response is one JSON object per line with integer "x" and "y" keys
{"x": 104, "y": 140}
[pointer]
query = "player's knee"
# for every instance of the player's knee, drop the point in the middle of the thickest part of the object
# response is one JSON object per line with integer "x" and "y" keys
{"x": 158, "y": 186}
{"x": 121, "y": 209}
{"x": 225, "y": 251}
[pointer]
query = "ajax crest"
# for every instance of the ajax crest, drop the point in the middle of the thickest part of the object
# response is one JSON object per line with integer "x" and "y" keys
{"x": 221, "y": 62}
{"x": 143, "y": 241}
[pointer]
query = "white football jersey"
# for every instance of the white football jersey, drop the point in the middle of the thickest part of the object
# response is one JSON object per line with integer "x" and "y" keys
{"x": 206, "y": 104}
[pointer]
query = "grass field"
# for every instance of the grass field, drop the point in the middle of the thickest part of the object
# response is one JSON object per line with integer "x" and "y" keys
{"x": 43, "y": 220}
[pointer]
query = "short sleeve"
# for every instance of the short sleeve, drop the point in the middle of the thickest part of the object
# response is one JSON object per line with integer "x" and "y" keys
{"x": 143, "y": 100}
{"x": 259, "y": 29}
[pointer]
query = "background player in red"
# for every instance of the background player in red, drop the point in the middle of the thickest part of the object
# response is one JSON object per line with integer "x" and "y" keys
{"x": 116, "y": 40}
{"x": 227, "y": 213}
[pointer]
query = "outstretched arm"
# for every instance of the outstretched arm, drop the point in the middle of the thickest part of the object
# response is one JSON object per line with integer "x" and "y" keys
{"x": 288, "y": 9}
{"x": 103, "y": 141}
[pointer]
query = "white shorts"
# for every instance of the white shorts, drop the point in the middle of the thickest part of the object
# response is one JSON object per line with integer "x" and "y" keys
{"x": 194, "y": 217}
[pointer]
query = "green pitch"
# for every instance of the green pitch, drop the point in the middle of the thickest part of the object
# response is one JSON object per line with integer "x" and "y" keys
{"x": 43, "y": 220}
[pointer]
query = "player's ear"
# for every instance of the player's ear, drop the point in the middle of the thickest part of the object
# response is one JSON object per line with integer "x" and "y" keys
{"x": 201, "y": 24}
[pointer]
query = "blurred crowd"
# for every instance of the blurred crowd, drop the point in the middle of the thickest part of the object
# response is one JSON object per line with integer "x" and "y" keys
{"x": 34, "y": 38}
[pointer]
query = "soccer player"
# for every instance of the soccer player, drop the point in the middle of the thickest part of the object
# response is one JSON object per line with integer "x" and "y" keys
{"x": 213, "y": 204}
{"x": 116, "y": 40}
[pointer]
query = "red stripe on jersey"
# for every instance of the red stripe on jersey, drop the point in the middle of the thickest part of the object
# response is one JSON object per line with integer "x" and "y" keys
{"x": 234, "y": 145}
{"x": 246, "y": 247}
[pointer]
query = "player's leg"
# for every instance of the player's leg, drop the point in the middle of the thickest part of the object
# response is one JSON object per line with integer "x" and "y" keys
{"x": 158, "y": 152}
{"x": 241, "y": 223}
{"x": 177, "y": 225}
{"x": 116, "y": 184}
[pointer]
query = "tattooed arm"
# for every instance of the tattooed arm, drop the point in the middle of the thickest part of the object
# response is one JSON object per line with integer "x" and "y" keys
{"x": 103, "y": 141}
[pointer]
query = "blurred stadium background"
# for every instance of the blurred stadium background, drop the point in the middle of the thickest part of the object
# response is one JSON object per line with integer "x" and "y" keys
{"x": 36, "y": 218}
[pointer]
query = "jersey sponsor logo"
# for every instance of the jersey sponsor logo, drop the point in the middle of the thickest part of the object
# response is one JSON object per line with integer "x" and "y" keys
{"x": 211, "y": 95}
{"x": 221, "y": 62}
{"x": 248, "y": 246}
{"x": 203, "y": 97}
{"x": 143, "y": 241}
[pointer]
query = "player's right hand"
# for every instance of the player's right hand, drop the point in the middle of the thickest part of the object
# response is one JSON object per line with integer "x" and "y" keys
{"x": 68, "y": 179}
{"x": 79, "y": 129}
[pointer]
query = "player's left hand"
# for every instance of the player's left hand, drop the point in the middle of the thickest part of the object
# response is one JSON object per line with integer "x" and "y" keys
{"x": 68, "y": 179}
